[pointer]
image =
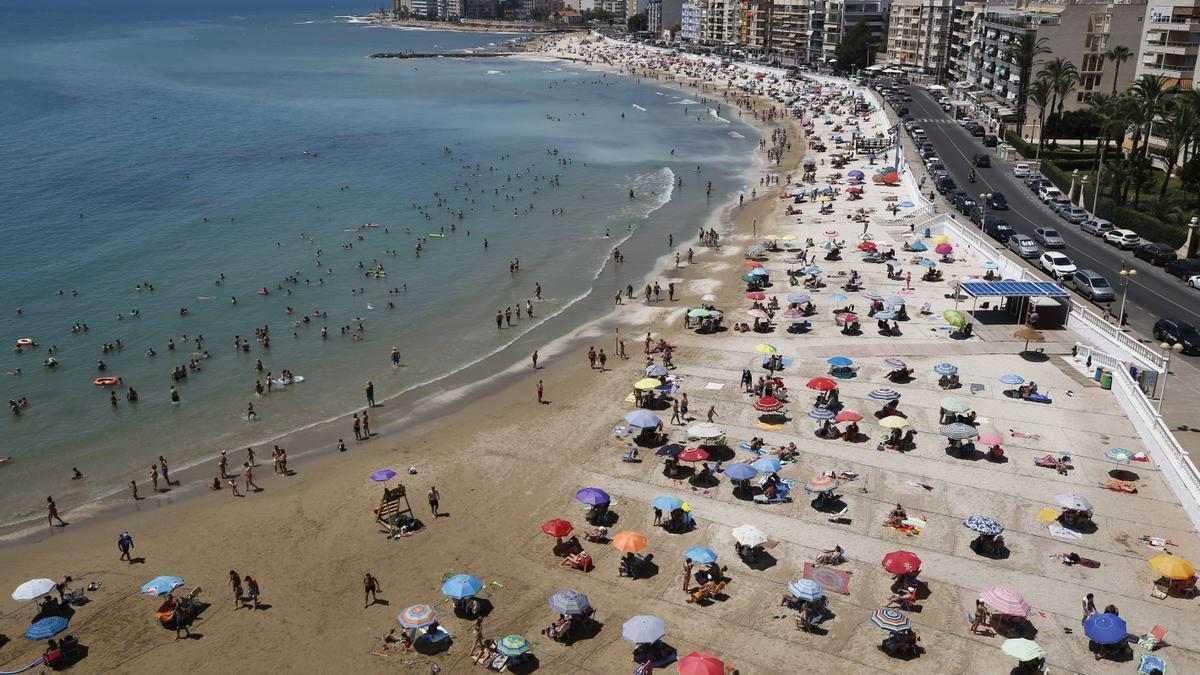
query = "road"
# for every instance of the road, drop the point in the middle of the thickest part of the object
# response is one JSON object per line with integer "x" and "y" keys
{"x": 1152, "y": 294}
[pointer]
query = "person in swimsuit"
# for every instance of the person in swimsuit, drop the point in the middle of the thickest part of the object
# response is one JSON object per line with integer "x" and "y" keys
{"x": 370, "y": 588}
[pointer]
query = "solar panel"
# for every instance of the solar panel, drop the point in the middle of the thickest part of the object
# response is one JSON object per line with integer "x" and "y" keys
{"x": 1024, "y": 289}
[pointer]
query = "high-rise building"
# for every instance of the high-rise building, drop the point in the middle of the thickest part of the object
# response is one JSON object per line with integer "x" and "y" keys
{"x": 693, "y": 16}
{"x": 842, "y": 15}
{"x": 919, "y": 37}
{"x": 663, "y": 15}
{"x": 1170, "y": 42}
{"x": 721, "y": 23}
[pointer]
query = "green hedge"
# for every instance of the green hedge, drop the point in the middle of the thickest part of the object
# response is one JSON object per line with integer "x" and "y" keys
{"x": 1029, "y": 150}
{"x": 1148, "y": 227}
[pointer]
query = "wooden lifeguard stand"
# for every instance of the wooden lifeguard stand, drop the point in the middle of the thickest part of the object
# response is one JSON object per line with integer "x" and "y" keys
{"x": 394, "y": 503}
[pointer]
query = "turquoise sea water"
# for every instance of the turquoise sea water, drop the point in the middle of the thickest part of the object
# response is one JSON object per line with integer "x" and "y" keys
{"x": 125, "y": 128}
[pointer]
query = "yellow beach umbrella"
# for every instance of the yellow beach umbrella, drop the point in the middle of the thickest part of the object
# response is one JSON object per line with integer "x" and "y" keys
{"x": 1172, "y": 566}
{"x": 789, "y": 237}
{"x": 647, "y": 383}
{"x": 893, "y": 422}
{"x": 765, "y": 348}
{"x": 941, "y": 239}
{"x": 824, "y": 198}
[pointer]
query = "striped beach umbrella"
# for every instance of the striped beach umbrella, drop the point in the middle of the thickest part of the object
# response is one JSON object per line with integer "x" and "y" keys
{"x": 1005, "y": 601}
{"x": 873, "y": 297}
{"x": 1013, "y": 380}
{"x": 417, "y": 616}
{"x": 886, "y": 315}
{"x": 958, "y": 431}
{"x": 895, "y": 363}
{"x": 821, "y": 414}
{"x": 894, "y": 301}
{"x": 983, "y": 525}
{"x": 767, "y": 464}
{"x": 46, "y": 628}
{"x": 821, "y": 484}
{"x": 768, "y": 404}
{"x": 890, "y": 620}
{"x": 569, "y": 601}
{"x": 513, "y": 645}
{"x": 884, "y": 394}
{"x": 805, "y": 590}
{"x": 1119, "y": 455}
{"x": 740, "y": 471}
{"x": 700, "y": 554}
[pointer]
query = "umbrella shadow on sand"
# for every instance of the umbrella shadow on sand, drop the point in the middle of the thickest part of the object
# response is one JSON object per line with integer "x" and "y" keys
{"x": 528, "y": 664}
{"x": 1001, "y": 553}
{"x": 473, "y": 608}
{"x": 763, "y": 560}
{"x": 1034, "y": 356}
{"x": 965, "y": 451}
{"x": 587, "y": 631}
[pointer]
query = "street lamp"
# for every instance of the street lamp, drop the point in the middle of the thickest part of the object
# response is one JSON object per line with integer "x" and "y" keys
{"x": 1127, "y": 275}
{"x": 1099, "y": 173}
{"x": 1167, "y": 348}
{"x": 984, "y": 199}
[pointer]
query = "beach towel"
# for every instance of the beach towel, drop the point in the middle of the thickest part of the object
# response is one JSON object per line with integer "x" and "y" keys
{"x": 714, "y": 385}
{"x": 923, "y": 486}
{"x": 1065, "y": 533}
{"x": 1149, "y": 663}
{"x": 1119, "y": 486}
{"x": 1047, "y": 515}
{"x": 976, "y": 387}
{"x": 769, "y": 427}
{"x": 831, "y": 580}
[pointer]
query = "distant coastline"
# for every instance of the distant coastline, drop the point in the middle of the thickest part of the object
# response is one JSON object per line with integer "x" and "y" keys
{"x": 468, "y": 26}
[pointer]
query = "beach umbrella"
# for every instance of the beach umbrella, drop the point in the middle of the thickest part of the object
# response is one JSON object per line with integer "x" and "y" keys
{"x": 760, "y": 272}
{"x": 989, "y": 265}
{"x": 1070, "y": 500}
{"x": 656, "y": 371}
{"x": 916, "y": 245}
{"x": 895, "y": 363}
{"x": 667, "y": 503}
{"x": 629, "y": 542}
{"x": 669, "y": 450}
{"x": 1028, "y": 334}
{"x": 569, "y": 601}
{"x": 798, "y": 298}
{"x": 765, "y": 349}
{"x": 161, "y": 585}
{"x": 32, "y": 590}
{"x": 643, "y": 629}
{"x": 750, "y": 278}
{"x": 700, "y": 313}
{"x": 811, "y": 270}
{"x": 856, "y": 174}
{"x": 740, "y": 471}
{"x": 847, "y": 416}
{"x": 693, "y": 455}
{"x": 513, "y": 645}
{"x": 940, "y": 239}
{"x": 1105, "y": 629}
{"x": 867, "y": 246}
{"x": 954, "y": 404}
{"x": 822, "y": 484}
{"x": 756, "y": 295}
{"x": 754, "y": 263}
{"x": 758, "y": 314}
{"x": 824, "y": 198}
{"x": 926, "y": 262}
{"x": 709, "y": 298}
{"x": 954, "y": 318}
{"x": 592, "y": 496}
{"x": 461, "y": 586}
{"x": 647, "y": 383}
{"x": 705, "y": 431}
{"x": 749, "y": 535}
{"x": 943, "y": 249}
{"x": 1005, "y": 601}
{"x": 417, "y": 616}
{"x": 983, "y": 525}
{"x": 855, "y": 190}
{"x": 873, "y": 297}
{"x": 768, "y": 404}
{"x": 1013, "y": 380}
{"x": 821, "y": 384}
{"x": 901, "y": 562}
{"x": 884, "y": 394}
{"x": 805, "y": 590}
{"x": 1172, "y": 566}
{"x": 905, "y": 204}
{"x": 990, "y": 439}
{"x": 44, "y": 629}
{"x": 821, "y": 414}
{"x": 894, "y": 301}
{"x": 958, "y": 431}
{"x": 642, "y": 419}
{"x": 701, "y": 663}
{"x": 945, "y": 369}
{"x": 767, "y": 464}
{"x": 893, "y": 422}
{"x": 700, "y": 554}
{"x": 793, "y": 313}
{"x": 840, "y": 362}
{"x": 789, "y": 237}
{"x": 1119, "y": 455}
{"x": 891, "y": 178}
{"x": 886, "y": 315}
{"x": 838, "y": 297}
{"x": 890, "y": 620}
{"x": 557, "y": 527}
{"x": 383, "y": 475}
{"x": 1022, "y": 649}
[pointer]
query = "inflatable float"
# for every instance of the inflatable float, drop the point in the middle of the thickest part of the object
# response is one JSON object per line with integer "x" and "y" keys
{"x": 106, "y": 381}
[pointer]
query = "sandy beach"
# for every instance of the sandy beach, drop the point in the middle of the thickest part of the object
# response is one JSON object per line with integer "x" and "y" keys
{"x": 504, "y": 463}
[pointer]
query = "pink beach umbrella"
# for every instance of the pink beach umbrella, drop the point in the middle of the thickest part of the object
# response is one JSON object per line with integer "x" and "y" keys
{"x": 943, "y": 249}
{"x": 990, "y": 439}
{"x": 1005, "y": 601}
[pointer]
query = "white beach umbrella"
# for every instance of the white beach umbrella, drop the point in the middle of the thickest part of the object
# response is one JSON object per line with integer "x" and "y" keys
{"x": 749, "y": 535}
{"x": 705, "y": 430}
{"x": 32, "y": 590}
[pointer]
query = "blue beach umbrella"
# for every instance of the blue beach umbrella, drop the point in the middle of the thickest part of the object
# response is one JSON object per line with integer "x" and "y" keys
{"x": 513, "y": 645}
{"x": 669, "y": 450}
{"x": 945, "y": 369}
{"x": 740, "y": 471}
{"x": 918, "y": 246}
{"x": 767, "y": 464}
{"x": 1119, "y": 455}
{"x": 656, "y": 371}
{"x": 760, "y": 272}
{"x": 905, "y": 204}
{"x": 926, "y": 262}
{"x": 983, "y": 525}
{"x": 46, "y": 628}
{"x": 1012, "y": 379}
{"x": 161, "y": 585}
{"x": 873, "y": 297}
{"x": 700, "y": 554}
{"x": 821, "y": 414}
{"x": 798, "y": 298}
{"x": 855, "y": 174}
{"x": 461, "y": 586}
{"x": 884, "y": 394}
{"x": 838, "y": 297}
{"x": 811, "y": 270}
{"x": 1105, "y": 628}
{"x": 840, "y": 362}
{"x": 642, "y": 419}
{"x": 886, "y": 315}
{"x": 749, "y": 277}
{"x": 894, "y": 301}
{"x": 805, "y": 590}
{"x": 989, "y": 265}
{"x": 667, "y": 503}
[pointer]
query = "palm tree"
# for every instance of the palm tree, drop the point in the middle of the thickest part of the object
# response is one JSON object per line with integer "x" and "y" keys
{"x": 1063, "y": 76}
{"x": 1145, "y": 94}
{"x": 1179, "y": 130}
{"x": 1022, "y": 56}
{"x": 1118, "y": 55}
{"x": 1039, "y": 95}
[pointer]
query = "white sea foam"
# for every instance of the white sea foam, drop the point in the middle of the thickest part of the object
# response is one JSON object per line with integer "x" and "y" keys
{"x": 495, "y": 72}
{"x": 639, "y": 107}
{"x": 734, "y": 134}
{"x": 685, "y": 101}
{"x": 713, "y": 113}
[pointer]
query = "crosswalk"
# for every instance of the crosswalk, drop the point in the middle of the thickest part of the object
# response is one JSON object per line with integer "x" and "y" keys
{"x": 933, "y": 120}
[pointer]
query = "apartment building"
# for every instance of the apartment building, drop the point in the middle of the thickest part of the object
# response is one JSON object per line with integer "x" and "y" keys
{"x": 663, "y": 15}
{"x": 692, "y": 17}
{"x": 721, "y": 22}
{"x": 1171, "y": 42}
{"x": 919, "y": 37}
{"x": 841, "y": 15}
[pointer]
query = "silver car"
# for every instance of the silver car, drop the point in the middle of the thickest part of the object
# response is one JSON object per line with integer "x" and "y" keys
{"x": 1073, "y": 214}
{"x": 1048, "y": 237}
{"x": 1096, "y": 226}
{"x": 1023, "y": 246}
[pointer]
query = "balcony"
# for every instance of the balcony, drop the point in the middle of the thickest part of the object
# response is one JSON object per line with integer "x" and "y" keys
{"x": 1173, "y": 47}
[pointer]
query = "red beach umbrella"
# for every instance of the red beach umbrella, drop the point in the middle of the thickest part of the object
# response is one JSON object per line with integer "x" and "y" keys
{"x": 891, "y": 178}
{"x": 753, "y": 263}
{"x": 701, "y": 663}
{"x": 821, "y": 384}
{"x": 867, "y": 246}
{"x": 901, "y": 562}
{"x": 847, "y": 416}
{"x": 768, "y": 404}
{"x": 756, "y": 295}
{"x": 557, "y": 527}
{"x": 693, "y": 455}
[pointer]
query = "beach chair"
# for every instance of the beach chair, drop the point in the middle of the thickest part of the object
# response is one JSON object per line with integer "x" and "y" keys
{"x": 498, "y": 664}
{"x": 76, "y": 597}
{"x": 1153, "y": 639}
{"x": 840, "y": 516}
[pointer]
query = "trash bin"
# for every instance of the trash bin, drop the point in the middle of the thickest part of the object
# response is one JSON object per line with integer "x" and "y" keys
{"x": 928, "y": 233}
{"x": 1106, "y": 380}
{"x": 1099, "y": 373}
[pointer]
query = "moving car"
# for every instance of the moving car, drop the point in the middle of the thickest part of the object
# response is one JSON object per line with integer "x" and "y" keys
{"x": 1021, "y": 170}
{"x": 1155, "y": 254}
{"x": 1090, "y": 285}
{"x": 1183, "y": 268}
{"x": 1023, "y": 246}
{"x": 1073, "y": 214}
{"x": 1096, "y": 226}
{"x": 982, "y": 161}
{"x": 990, "y": 141}
{"x": 1123, "y": 239}
{"x": 1176, "y": 331}
{"x": 998, "y": 202}
{"x": 1048, "y": 237}
{"x": 1056, "y": 265}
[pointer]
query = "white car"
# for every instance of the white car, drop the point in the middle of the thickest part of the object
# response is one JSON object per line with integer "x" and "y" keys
{"x": 1021, "y": 170}
{"x": 1056, "y": 265}
{"x": 1047, "y": 193}
{"x": 1123, "y": 239}
{"x": 1194, "y": 281}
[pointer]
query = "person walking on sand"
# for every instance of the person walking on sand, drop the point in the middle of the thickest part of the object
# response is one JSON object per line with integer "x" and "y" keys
{"x": 250, "y": 456}
{"x": 248, "y": 474}
{"x": 591, "y": 356}
{"x": 162, "y": 467}
{"x": 687, "y": 575}
{"x": 222, "y": 462}
{"x": 133, "y": 488}
{"x": 1089, "y": 606}
{"x": 357, "y": 428}
{"x": 125, "y": 545}
{"x": 981, "y": 617}
{"x": 370, "y": 588}
{"x": 540, "y": 391}
{"x": 251, "y": 590}
{"x": 235, "y": 583}
{"x": 675, "y": 417}
{"x": 434, "y": 497}
{"x": 603, "y": 359}
{"x": 370, "y": 389}
{"x": 712, "y": 413}
{"x": 232, "y": 481}
{"x": 366, "y": 421}
{"x": 154, "y": 478}
{"x": 535, "y": 358}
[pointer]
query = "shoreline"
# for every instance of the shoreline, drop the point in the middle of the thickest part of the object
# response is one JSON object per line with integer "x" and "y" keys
{"x": 471, "y": 26}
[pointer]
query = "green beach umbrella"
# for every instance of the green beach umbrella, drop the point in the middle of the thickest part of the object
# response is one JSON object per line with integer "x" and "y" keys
{"x": 954, "y": 318}
{"x": 1022, "y": 649}
{"x": 699, "y": 313}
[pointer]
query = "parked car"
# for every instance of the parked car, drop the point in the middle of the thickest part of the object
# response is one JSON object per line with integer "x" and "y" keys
{"x": 998, "y": 201}
{"x": 1021, "y": 170}
{"x": 1073, "y": 214}
{"x": 1047, "y": 193}
{"x": 1194, "y": 281}
{"x": 990, "y": 141}
{"x": 1023, "y": 246}
{"x": 1155, "y": 254}
{"x": 1123, "y": 239}
{"x": 935, "y": 164}
{"x": 998, "y": 229}
{"x": 1048, "y": 237}
{"x": 1033, "y": 181}
{"x": 946, "y": 185}
{"x": 1096, "y": 226}
{"x": 1183, "y": 268}
{"x": 1056, "y": 265}
{"x": 1176, "y": 331}
{"x": 1059, "y": 203}
{"x": 977, "y": 131}
{"x": 1091, "y": 285}
{"x": 966, "y": 205}
{"x": 982, "y": 161}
